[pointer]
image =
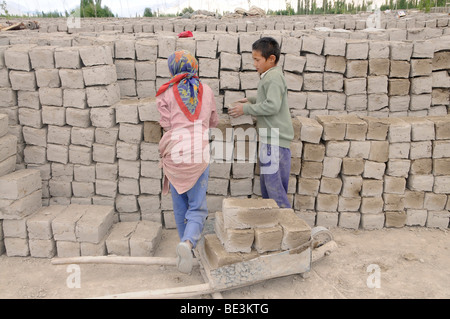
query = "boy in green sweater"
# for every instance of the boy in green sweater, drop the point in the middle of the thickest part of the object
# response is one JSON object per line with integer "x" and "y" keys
{"x": 274, "y": 122}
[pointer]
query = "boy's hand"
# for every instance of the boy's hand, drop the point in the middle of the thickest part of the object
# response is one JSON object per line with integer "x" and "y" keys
{"x": 237, "y": 110}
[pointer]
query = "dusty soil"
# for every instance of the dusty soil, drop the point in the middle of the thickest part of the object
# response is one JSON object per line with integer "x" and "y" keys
{"x": 411, "y": 262}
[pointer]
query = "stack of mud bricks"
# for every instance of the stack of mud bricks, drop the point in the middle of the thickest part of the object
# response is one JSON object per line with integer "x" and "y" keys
{"x": 248, "y": 228}
{"x": 374, "y": 172}
{"x": 413, "y": 20}
{"x": 82, "y": 110}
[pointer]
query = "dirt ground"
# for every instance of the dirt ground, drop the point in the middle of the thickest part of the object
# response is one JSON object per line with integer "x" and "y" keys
{"x": 411, "y": 262}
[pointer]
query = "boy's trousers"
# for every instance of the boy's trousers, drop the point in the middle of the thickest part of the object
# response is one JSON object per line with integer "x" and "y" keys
{"x": 275, "y": 167}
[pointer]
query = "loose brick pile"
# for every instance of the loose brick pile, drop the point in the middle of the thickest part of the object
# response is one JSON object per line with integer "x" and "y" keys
{"x": 247, "y": 228}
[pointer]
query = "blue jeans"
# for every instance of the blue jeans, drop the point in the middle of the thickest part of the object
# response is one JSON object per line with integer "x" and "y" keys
{"x": 275, "y": 167}
{"x": 190, "y": 209}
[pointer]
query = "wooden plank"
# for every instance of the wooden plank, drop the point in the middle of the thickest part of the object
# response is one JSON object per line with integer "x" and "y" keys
{"x": 176, "y": 292}
{"x": 125, "y": 260}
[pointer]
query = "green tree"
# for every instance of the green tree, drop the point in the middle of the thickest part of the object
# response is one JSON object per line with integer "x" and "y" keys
{"x": 89, "y": 8}
{"x": 148, "y": 12}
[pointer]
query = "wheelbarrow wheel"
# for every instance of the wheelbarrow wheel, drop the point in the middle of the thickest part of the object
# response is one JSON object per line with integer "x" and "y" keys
{"x": 320, "y": 236}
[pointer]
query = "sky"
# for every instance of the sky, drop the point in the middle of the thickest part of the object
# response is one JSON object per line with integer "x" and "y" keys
{"x": 131, "y": 8}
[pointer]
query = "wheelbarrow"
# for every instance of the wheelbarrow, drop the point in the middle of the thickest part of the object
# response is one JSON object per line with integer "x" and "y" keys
{"x": 217, "y": 279}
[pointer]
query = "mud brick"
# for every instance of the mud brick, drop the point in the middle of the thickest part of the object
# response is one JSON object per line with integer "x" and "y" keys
{"x": 421, "y": 85}
{"x": 146, "y": 49}
{"x": 421, "y": 67}
{"x": 379, "y": 66}
{"x": 99, "y": 75}
{"x": 333, "y": 128}
{"x": 39, "y": 224}
{"x": 150, "y": 186}
{"x": 247, "y": 213}
{"x": 398, "y": 167}
{"x": 68, "y": 248}
{"x": 54, "y": 115}
{"x": 311, "y": 81}
{"x": 374, "y": 169}
{"x": 67, "y": 58}
{"x": 372, "y": 221}
{"x": 435, "y": 201}
{"x": 8, "y": 97}
{"x": 314, "y": 63}
{"x": 331, "y": 166}
{"x": 333, "y": 82}
{"x": 371, "y": 205}
{"x": 349, "y": 220}
{"x": 217, "y": 256}
{"x": 20, "y": 183}
{"x": 357, "y": 50}
{"x": 96, "y": 55}
{"x": 416, "y": 217}
{"x": 308, "y": 186}
{"x": 312, "y": 44}
{"x": 327, "y": 202}
{"x": 356, "y": 128}
{"x": 58, "y": 135}
{"x": 376, "y": 128}
{"x": 94, "y": 224}
{"x": 64, "y": 224}
{"x": 42, "y": 248}
{"x": 145, "y": 238}
{"x": 3, "y": 124}
{"x": 25, "y": 81}
{"x": 107, "y": 136}
{"x": 291, "y": 45}
{"x": 352, "y": 166}
{"x": 351, "y": 186}
{"x": 401, "y": 50}
{"x": 304, "y": 202}
{"x": 16, "y": 247}
{"x": 51, "y": 96}
{"x": 268, "y": 239}
{"x": 330, "y": 185}
{"x": 73, "y": 79}
{"x": 395, "y": 218}
{"x": 117, "y": 242}
{"x": 17, "y": 57}
{"x": 337, "y": 148}
{"x": 8, "y": 165}
{"x": 379, "y": 151}
{"x": 420, "y": 150}
{"x": 106, "y": 188}
{"x": 356, "y": 68}
{"x": 80, "y": 155}
{"x": 399, "y": 131}
{"x": 310, "y": 130}
{"x": 441, "y": 166}
{"x": 378, "y": 50}
{"x": 399, "y": 69}
{"x": 30, "y": 117}
{"x": 311, "y": 169}
{"x": 15, "y": 228}
{"x": 294, "y": 63}
{"x": 421, "y": 182}
{"x": 103, "y": 95}
{"x": 349, "y": 204}
{"x": 435, "y": 219}
{"x": 313, "y": 152}
{"x": 327, "y": 219}
{"x": 104, "y": 117}
{"x": 353, "y": 86}
{"x": 442, "y": 184}
{"x": 334, "y": 46}
{"x": 74, "y": 98}
{"x": 398, "y": 87}
{"x": 295, "y": 230}
{"x": 8, "y": 146}
{"x": 335, "y": 64}
{"x": 414, "y": 199}
{"x": 20, "y": 208}
{"x": 148, "y": 151}
{"x": 233, "y": 240}
{"x": 35, "y": 154}
{"x": 441, "y": 148}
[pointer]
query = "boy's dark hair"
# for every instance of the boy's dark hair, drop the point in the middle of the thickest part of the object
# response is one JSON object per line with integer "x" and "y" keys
{"x": 267, "y": 46}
